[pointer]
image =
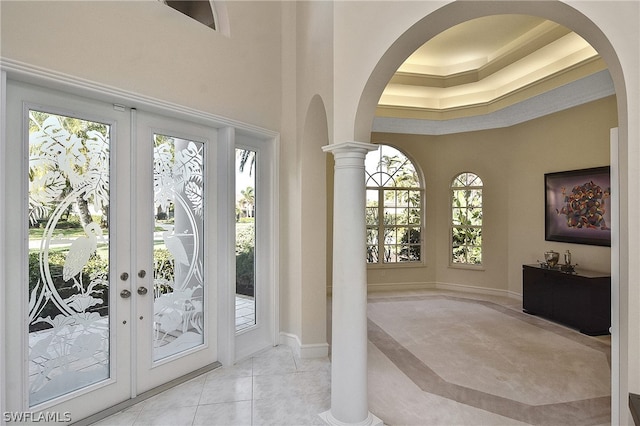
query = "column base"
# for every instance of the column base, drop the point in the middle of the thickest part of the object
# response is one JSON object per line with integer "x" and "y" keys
{"x": 371, "y": 420}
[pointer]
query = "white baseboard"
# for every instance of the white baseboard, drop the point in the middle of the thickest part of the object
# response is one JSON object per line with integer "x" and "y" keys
{"x": 316, "y": 350}
{"x": 312, "y": 350}
{"x": 381, "y": 287}
{"x": 292, "y": 341}
{"x": 401, "y": 286}
{"x": 473, "y": 289}
{"x": 514, "y": 295}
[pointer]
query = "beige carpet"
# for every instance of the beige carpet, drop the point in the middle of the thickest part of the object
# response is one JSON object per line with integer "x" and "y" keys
{"x": 451, "y": 359}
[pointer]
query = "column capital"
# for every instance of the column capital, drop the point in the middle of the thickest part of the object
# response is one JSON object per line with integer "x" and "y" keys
{"x": 349, "y": 147}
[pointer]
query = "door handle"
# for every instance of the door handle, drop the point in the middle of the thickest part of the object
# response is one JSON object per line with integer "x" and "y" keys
{"x": 125, "y": 294}
{"x": 142, "y": 291}
{"x": 142, "y": 273}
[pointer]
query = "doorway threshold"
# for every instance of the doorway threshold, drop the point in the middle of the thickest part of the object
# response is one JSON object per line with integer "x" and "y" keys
{"x": 145, "y": 395}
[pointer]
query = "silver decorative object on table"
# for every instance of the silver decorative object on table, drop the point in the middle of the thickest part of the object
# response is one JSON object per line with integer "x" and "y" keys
{"x": 551, "y": 257}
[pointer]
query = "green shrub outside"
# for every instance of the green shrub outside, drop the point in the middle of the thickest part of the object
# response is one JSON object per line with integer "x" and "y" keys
{"x": 95, "y": 265}
{"x": 163, "y": 271}
{"x": 245, "y": 254}
{"x": 164, "y": 268}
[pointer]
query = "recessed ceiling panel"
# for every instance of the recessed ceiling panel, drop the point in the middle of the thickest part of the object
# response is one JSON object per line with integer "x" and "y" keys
{"x": 487, "y": 61}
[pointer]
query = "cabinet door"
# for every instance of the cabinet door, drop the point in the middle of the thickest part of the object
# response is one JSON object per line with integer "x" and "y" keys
{"x": 569, "y": 300}
{"x": 536, "y": 292}
{"x": 598, "y": 319}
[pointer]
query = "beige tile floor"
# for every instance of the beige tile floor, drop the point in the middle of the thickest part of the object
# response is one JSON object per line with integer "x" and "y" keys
{"x": 435, "y": 358}
{"x": 272, "y": 388}
{"x": 444, "y": 358}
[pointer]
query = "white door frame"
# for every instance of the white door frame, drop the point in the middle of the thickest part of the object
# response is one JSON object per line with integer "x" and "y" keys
{"x": 3, "y": 282}
{"x": 265, "y": 333}
{"x": 110, "y": 390}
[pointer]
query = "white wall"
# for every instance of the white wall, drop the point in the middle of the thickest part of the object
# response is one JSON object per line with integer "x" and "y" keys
{"x": 307, "y": 100}
{"x": 150, "y": 49}
{"x": 568, "y": 140}
{"x": 512, "y": 163}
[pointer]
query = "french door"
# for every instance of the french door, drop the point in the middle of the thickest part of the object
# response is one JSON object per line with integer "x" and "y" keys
{"x": 113, "y": 215}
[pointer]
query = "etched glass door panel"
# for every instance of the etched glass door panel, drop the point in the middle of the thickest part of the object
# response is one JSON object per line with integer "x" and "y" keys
{"x": 68, "y": 258}
{"x": 178, "y": 245}
{"x": 175, "y": 250}
{"x": 245, "y": 239}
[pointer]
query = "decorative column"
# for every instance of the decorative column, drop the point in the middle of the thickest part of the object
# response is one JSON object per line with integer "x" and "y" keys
{"x": 349, "y": 301}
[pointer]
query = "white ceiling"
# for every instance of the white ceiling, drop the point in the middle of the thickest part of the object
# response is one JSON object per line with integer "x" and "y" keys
{"x": 485, "y": 65}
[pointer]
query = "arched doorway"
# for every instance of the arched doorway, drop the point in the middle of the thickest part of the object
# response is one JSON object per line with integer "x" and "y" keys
{"x": 563, "y": 14}
{"x": 313, "y": 238}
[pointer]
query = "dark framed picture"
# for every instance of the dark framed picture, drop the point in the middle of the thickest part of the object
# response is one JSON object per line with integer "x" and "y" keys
{"x": 578, "y": 206}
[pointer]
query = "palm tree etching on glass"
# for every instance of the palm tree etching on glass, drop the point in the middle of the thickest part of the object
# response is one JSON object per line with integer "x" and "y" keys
{"x": 178, "y": 183}
{"x": 68, "y": 201}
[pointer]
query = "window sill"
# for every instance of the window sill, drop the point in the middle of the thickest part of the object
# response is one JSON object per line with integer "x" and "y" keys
{"x": 396, "y": 265}
{"x": 467, "y": 267}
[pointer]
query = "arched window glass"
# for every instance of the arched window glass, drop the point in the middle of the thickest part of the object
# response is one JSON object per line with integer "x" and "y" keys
{"x": 394, "y": 208}
{"x": 466, "y": 219}
{"x": 200, "y": 10}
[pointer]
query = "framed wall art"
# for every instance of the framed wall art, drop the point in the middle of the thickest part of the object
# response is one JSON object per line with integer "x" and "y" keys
{"x": 578, "y": 206}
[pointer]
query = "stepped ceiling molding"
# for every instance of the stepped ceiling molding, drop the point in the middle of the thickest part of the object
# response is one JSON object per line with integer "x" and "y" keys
{"x": 487, "y": 66}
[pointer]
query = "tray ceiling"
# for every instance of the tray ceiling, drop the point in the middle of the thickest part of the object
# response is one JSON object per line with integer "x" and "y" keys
{"x": 487, "y": 64}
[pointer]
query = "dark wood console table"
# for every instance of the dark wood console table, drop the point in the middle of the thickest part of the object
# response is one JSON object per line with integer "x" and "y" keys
{"x": 580, "y": 299}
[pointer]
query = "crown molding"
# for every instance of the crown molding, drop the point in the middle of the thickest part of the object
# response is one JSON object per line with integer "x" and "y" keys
{"x": 500, "y": 100}
{"x": 587, "y": 89}
{"x": 537, "y": 38}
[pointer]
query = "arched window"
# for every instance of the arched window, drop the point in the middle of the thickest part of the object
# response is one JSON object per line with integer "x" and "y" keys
{"x": 466, "y": 219}
{"x": 394, "y": 208}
